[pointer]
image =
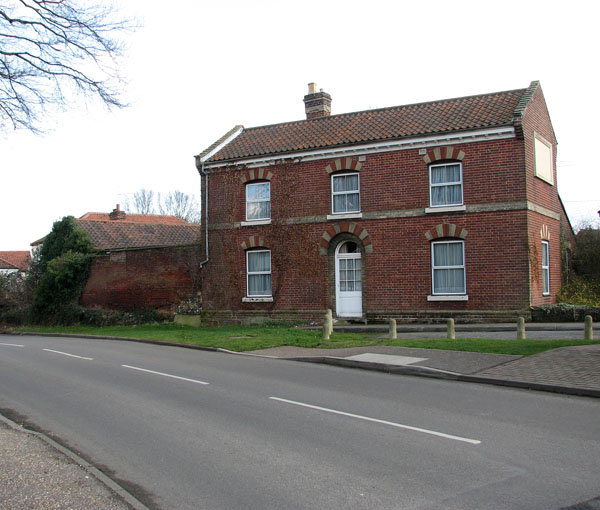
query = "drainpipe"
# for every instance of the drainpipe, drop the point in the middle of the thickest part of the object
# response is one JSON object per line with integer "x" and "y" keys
{"x": 200, "y": 167}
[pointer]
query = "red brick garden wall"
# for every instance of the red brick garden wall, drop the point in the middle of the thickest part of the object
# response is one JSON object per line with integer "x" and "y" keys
{"x": 151, "y": 278}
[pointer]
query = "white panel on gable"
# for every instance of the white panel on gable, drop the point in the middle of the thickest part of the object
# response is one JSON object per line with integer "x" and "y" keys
{"x": 543, "y": 159}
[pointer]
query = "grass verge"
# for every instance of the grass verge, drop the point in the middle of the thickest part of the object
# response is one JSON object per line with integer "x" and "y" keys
{"x": 250, "y": 338}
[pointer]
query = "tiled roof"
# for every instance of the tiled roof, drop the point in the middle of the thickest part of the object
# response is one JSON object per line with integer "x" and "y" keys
{"x": 136, "y": 218}
{"x": 431, "y": 118}
{"x": 15, "y": 260}
{"x": 119, "y": 235}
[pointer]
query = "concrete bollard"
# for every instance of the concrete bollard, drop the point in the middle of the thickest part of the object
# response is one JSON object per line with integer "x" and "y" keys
{"x": 326, "y": 326}
{"x": 330, "y": 321}
{"x": 450, "y": 331}
{"x": 588, "y": 331}
{"x": 393, "y": 329}
{"x": 521, "y": 329}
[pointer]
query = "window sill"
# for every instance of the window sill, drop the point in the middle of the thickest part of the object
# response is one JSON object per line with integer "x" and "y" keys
{"x": 344, "y": 216}
{"x": 253, "y": 223}
{"x": 445, "y": 209}
{"x": 449, "y": 297}
{"x": 268, "y": 299}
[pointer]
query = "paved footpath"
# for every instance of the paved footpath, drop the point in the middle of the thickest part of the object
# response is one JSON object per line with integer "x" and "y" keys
{"x": 570, "y": 370}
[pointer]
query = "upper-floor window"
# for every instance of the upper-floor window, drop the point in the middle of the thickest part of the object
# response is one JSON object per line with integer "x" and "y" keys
{"x": 445, "y": 184}
{"x": 345, "y": 193}
{"x": 543, "y": 161}
{"x": 546, "y": 266}
{"x": 258, "y": 201}
{"x": 448, "y": 267}
{"x": 258, "y": 273}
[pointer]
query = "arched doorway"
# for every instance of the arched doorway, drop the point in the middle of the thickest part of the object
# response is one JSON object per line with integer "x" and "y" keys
{"x": 348, "y": 280}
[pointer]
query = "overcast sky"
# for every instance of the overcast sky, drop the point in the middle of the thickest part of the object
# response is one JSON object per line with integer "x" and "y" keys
{"x": 197, "y": 68}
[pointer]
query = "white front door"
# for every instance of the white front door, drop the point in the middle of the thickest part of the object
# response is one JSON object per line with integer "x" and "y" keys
{"x": 348, "y": 280}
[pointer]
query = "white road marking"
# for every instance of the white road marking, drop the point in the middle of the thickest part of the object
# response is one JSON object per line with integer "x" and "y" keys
{"x": 67, "y": 354}
{"x": 383, "y": 422}
{"x": 13, "y": 345}
{"x": 165, "y": 375}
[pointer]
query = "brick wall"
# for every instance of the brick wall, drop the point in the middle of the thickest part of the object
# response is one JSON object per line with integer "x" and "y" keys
{"x": 152, "y": 278}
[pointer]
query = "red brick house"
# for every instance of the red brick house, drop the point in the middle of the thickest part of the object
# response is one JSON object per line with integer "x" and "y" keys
{"x": 438, "y": 209}
{"x": 144, "y": 260}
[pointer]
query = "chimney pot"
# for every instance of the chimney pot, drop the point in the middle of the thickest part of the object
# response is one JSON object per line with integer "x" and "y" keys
{"x": 317, "y": 104}
{"x": 117, "y": 214}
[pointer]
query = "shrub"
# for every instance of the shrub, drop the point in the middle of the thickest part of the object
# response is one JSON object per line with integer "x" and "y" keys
{"x": 62, "y": 282}
{"x": 580, "y": 291}
{"x": 563, "y": 312}
{"x": 62, "y": 268}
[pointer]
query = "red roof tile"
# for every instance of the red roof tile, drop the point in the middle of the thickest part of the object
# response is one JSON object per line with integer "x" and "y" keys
{"x": 15, "y": 260}
{"x": 119, "y": 235}
{"x": 136, "y": 218}
{"x": 436, "y": 117}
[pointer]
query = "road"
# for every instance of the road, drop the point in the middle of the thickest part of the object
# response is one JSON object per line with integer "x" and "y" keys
{"x": 195, "y": 429}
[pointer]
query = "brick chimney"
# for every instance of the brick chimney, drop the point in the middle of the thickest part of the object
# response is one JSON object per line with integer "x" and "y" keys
{"x": 117, "y": 214}
{"x": 317, "y": 104}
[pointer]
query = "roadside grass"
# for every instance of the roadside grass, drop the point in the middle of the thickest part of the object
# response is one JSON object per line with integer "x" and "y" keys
{"x": 250, "y": 338}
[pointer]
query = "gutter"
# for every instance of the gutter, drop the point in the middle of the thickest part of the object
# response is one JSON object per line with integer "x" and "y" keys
{"x": 202, "y": 172}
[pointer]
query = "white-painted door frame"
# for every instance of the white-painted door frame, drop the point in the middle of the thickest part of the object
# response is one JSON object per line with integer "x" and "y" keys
{"x": 348, "y": 303}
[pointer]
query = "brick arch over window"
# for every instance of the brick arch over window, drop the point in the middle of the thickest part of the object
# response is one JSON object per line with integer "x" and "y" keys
{"x": 256, "y": 174}
{"x": 253, "y": 242}
{"x": 344, "y": 227}
{"x": 445, "y": 230}
{"x": 443, "y": 153}
{"x": 344, "y": 164}
{"x": 545, "y": 233}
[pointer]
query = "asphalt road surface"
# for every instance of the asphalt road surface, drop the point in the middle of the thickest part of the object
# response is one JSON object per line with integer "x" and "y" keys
{"x": 202, "y": 430}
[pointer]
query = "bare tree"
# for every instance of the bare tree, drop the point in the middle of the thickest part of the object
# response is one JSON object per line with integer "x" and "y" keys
{"x": 142, "y": 203}
{"x": 52, "y": 51}
{"x": 177, "y": 203}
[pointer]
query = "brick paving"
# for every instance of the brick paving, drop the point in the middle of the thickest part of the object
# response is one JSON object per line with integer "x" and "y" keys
{"x": 575, "y": 367}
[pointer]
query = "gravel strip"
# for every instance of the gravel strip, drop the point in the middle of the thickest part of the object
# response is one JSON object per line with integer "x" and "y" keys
{"x": 33, "y": 475}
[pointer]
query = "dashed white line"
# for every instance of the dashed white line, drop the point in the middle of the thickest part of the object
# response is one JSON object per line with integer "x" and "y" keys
{"x": 13, "y": 345}
{"x": 383, "y": 422}
{"x": 67, "y": 354}
{"x": 165, "y": 375}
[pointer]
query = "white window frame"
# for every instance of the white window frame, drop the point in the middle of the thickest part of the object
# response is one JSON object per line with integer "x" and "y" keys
{"x": 546, "y": 268}
{"x": 445, "y": 184}
{"x": 249, "y": 273}
{"x": 438, "y": 268}
{"x": 248, "y": 201}
{"x": 336, "y": 193}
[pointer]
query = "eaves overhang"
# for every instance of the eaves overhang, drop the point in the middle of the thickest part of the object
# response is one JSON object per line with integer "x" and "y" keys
{"x": 479, "y": 135}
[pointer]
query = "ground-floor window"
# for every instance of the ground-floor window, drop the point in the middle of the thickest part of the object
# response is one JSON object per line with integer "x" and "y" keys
{"x": 258, "y": 271}
{"x": 448, "y": 267}
{"x": 546, "y": 266}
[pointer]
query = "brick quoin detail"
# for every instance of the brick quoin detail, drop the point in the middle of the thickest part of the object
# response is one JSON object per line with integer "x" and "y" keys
{"x": 345, "y": 227}
{"x": 445, "y": 230}
{"x": 441, "y": 153}
{"x": 344, "y": 164}
{"x": 253, "y": 242}
{"x": 256, "y": 174}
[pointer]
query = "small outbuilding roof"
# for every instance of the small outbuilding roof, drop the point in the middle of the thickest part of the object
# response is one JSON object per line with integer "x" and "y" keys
{"x": 15, "y": 260}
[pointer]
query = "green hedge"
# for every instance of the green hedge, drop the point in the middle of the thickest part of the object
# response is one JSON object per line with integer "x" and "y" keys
{"x": 75, "y": 315}
{"x": 564, "y": 313}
